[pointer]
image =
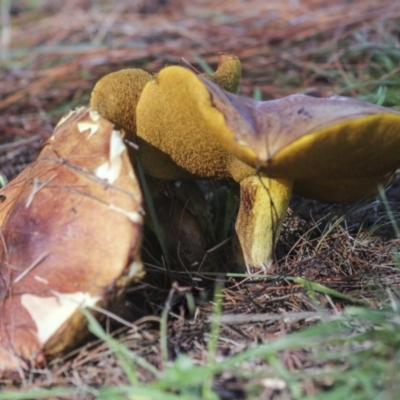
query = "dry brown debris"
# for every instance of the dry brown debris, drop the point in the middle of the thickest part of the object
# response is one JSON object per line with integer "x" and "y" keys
{"x": 51, "y": 57}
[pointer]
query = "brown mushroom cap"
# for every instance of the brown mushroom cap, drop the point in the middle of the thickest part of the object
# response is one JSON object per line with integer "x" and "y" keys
{"x": 71, "y": 235}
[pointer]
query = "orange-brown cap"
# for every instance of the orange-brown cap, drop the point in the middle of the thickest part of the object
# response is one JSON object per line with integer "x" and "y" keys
{"x": 71, "y": 235}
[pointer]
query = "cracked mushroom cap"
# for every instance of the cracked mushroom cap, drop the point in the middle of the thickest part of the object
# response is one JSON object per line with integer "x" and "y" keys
{"x": 71, "y": 233}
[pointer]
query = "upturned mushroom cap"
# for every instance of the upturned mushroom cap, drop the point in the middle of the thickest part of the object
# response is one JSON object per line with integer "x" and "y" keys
{"x": 303, "y": 137}
{"x": 173, "y": 131}
{"x": 335, "y": 149}
{"x": 71, "y": 234}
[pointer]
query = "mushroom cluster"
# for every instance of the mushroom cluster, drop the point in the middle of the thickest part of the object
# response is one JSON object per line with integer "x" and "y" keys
{"x": 332, "y": 149}
{"x": 71, "y": 222}
{"x": 71, "y": 230}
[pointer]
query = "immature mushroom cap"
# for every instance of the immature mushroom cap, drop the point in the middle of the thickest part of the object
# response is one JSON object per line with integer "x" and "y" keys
{"x": 228, "y": 73}
{"x": 71, "y": 234}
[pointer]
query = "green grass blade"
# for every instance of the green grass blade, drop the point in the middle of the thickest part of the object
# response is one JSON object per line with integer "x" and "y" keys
{"x": 152, "y": 211}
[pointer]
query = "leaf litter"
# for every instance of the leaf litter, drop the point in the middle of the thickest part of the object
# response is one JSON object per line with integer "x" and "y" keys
{"x": 52, "y": 55}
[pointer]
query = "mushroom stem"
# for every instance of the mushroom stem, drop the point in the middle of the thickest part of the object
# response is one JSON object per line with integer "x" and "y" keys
{"x": 263, "y": 205}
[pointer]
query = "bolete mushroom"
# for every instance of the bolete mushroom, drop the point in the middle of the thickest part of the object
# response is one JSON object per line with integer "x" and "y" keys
{"x": 188, "y": 127}
{"x": 266, "y": 146}
{"x": 71, "y": 232}
{"x": 115, "y": 97}
{"x": 174, "y": 142}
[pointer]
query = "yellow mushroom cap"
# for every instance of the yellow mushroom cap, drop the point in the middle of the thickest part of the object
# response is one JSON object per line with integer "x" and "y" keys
{"x": 116, "y": 97}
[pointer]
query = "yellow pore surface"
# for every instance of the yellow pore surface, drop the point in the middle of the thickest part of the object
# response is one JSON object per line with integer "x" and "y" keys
{"x": 116, "y": 95}
{"x": 170, "y": 121}
{"x": 364, "y": 147}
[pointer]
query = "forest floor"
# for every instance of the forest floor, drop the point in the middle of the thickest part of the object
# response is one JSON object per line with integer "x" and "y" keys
{"x": 326, "y": 324}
